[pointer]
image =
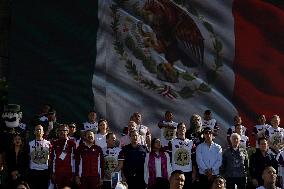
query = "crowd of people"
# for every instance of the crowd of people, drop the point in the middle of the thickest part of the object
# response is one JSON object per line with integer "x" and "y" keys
{"x": 89, "y": 155}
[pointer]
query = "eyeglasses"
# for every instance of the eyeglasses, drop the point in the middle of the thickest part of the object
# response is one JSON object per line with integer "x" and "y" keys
{"x": 207, "y": 132}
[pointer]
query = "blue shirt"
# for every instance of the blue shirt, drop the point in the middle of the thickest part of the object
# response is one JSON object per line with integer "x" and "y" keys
{"x": 209, "y": 157}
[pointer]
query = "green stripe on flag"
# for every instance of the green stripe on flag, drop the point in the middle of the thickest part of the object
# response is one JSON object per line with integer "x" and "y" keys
{"x": 53, "y": 53}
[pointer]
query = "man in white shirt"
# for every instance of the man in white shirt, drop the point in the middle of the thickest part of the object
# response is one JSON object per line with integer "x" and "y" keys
{"x": 259, "y": 129}
{"x": 183, "y": 156}
{"x": 143, "y": 130}
{"x": 168, "y": 129}
{"x": 39, "y": 159}
{"x": 208, "y": 158}
{"x": 91, "y": 124}
{"x": 111, "y": 152}
{"x": 208, "y": 121}
{"x": 275, "y": 135}
{"x": 125, "y": 140}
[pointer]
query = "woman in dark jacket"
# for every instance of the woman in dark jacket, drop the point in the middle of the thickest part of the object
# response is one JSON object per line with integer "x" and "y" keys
{"x": 17, "y": 159}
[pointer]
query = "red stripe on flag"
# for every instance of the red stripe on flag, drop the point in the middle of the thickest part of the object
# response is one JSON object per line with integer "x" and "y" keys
{"x": 259, "y": 59}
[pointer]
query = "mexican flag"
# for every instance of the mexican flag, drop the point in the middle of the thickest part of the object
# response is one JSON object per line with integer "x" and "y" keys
{"x": 123, "y": 56}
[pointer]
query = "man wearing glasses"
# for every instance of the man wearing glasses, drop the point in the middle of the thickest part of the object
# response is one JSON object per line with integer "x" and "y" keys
{"x": 62, "y": 158}
{"x": 209, "y": 159}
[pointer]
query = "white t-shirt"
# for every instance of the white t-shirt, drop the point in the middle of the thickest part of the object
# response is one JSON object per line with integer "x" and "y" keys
{"x": 275, "y": 135}
{"x": 243, "y": 142}
{"x": 100, "y": 140}
{"x": 181, "y": 154}
{"x": 39, "y": 154}
{"x": 209, "y": 123}
{"x": 259, "y": 131}
{"x": 167, "y": 133}
{"x": 142, "y": 130}
{"x": 90, "y": 126}
{"x": 111, "y": 160}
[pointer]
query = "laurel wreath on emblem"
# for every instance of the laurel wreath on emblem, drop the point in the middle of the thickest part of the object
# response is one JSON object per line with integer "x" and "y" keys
{"x": 150, "y": 64}
{"x": 182, "y": 157}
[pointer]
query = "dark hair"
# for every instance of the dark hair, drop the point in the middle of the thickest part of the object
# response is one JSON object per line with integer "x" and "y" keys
{"x": 153, "y": 142}
{"x": 23, "y": 183}
{"x": 51, "y": 111}
{"x": 92, "y": 111}
{"x": 72, "y": 124}
{"x": 236, "y": 117}
{"x": 22, "y": 139}
{"x": 207, "y": 112}
{"x": 260, "y": 139}
{"x": 180, "y": 124}
{"x": 207, "y": 129}
{"x": 179, "y": 172}
{"x": 86, "y": 131}
{"x": 220, "y": 177}
{"x": 168, "y": 112}
{"x": 99, "y": 122}
{"x": 108, "y": 135}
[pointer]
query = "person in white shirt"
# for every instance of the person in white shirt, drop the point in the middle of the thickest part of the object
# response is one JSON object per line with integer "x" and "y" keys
{"x": 168, "y": 129}
{"x": 100, "y": 137}
{"x": 157, "y": 164}
{"x": 111, "y": 152}
{"x": 259, "y": 129}
{"x": 208, "y": 121}
{"x": 237, "y": 122}
{"x": 244, "y": 141}
{"x": 39, "y": 159}
{"x": 275, "y": 135}
{"x": 132, "y": 126}
{"x": 183, "y": 155}
{"x": 208, "y": 158}
{"x": 91, "y": 124}
{"x": 143, "y": 130}
{"x": 269, "y": 177}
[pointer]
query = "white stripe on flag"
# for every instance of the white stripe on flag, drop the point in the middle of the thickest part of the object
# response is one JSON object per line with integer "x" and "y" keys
{"x": 117, "y": 94}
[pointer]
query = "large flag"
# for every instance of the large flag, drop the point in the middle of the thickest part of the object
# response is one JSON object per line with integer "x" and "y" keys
{"x": 124, "y": 56}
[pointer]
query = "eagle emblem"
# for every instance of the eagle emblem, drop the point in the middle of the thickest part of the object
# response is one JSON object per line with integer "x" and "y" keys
{"x": 163, "y": 47}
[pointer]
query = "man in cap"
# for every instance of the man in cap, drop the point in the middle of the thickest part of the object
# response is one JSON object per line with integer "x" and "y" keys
{"x": 208, "y": 158}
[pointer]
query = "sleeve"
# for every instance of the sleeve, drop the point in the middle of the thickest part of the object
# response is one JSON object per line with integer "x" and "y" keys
{"x": 199, "y": 160}
{"x": 169, "y": 165}
{"x": 121, "y": 154}
{"x": 266, "y": 133}
{"x": 146, "y": 171}
{"x": 161, "y": 124}
{"x": 248, "y": 143}
{"x": 102, "y": 164}
{"x": 246, "y": 162}
{"x": 52, "y": 158}
{"x": 77, "y": 160}
{"x": 252, "y": 162}
{"x": 224, "y": 162}
{"x": 216, "y": 166}
{"x": 254, "y": 131}
{"x": 74, "y": 145}
{"x": 193, "y": 155}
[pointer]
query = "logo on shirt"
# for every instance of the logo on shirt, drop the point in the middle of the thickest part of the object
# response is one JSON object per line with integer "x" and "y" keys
{"x": 39, "y": 155}
{"x": 182, "y": 157}
{"x": 169, "y": 133}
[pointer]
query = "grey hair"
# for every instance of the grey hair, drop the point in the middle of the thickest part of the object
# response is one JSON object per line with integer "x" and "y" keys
{"x": 235, "y": 135}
